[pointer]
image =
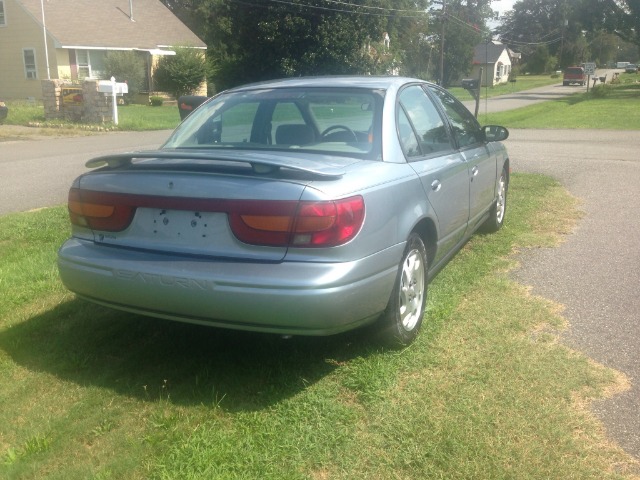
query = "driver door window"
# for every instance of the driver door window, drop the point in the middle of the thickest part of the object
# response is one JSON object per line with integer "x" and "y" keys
{"x": 465, "y": 126}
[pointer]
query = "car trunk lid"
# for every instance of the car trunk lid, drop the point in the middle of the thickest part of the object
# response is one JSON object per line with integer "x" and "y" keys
{"x": 186, "y": 203}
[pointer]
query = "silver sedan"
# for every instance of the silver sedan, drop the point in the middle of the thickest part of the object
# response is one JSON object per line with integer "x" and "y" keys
{"x": 306, "y": 206}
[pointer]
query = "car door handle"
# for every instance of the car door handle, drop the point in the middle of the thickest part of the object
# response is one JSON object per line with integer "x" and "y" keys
{"x": 474, "y": 170}
{"x": 436, "y": 185}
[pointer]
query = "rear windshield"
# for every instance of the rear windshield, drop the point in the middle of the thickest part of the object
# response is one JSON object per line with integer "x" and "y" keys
{"x": 574, "y": 71}
{"x": 335, "y": 121}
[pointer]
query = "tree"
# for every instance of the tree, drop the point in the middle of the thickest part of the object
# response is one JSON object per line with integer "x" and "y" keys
{"x": 252, "y": 41}
{"x": 573, "y": 30}
{"x": 182, "y": 73}
{"x": 540, "y": 61}
{"x": 619, "y": 17}
{"x": 541, "y": 23}
{"x": 129, "y": 67}
{"x": 464, "y": 27}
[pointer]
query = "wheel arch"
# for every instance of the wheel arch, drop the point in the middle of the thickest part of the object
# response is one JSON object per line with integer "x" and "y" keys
{"x": 428, "y": 232}
{"x": 507, "y": 168}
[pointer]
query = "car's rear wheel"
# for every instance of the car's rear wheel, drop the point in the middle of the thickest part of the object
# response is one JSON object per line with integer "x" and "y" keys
{"x": 499, "y": 207}
{"x": 402, "y": 319}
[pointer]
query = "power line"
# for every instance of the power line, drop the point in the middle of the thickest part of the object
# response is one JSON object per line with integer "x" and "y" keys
{"x": 317, "y": 7}
{"x": 373, "y": 8}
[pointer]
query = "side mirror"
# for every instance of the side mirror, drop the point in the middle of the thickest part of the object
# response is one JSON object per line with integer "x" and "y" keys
{"x": 495, "y": 133}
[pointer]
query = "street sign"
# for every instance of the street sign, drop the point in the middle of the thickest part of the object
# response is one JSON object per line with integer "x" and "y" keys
{"x": 590, "y": 69}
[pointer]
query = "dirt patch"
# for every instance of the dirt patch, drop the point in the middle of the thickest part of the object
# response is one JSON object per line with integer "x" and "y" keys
{"x": 10, "y": 133}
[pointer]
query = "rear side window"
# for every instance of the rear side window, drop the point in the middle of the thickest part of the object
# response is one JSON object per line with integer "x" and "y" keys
{"x": 429, "y": 130}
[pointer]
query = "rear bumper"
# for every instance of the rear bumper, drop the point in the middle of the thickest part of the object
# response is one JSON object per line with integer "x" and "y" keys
{"x": 288, "y": 297}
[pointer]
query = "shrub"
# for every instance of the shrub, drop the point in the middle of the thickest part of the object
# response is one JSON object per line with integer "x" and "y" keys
{"x": 182, "y": 73}
{"x": 126, "y": 67}
{"x": 599, "y": 91}
{"x": 156, "y": 101}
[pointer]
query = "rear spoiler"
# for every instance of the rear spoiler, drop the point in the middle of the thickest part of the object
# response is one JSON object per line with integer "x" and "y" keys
{"x": 261, "y": 164}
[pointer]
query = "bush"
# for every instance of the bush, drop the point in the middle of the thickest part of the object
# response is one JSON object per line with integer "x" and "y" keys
{"x": 156, "y": 101}
{"x": 126, "y": 67}
{"x": 182, "y": 73}
{"x": 599, "y": 91}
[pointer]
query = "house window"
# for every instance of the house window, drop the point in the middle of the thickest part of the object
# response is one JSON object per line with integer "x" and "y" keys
{"x": 3, "y": 17}
{"x": 84, "y": 64}
{"x": 29, "y": 56}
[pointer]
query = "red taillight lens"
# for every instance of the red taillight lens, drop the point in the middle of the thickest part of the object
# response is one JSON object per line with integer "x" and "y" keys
{"x": 99, "y": 210}
{"x": 312, "y": 224}
{"x": 271, "y": 223}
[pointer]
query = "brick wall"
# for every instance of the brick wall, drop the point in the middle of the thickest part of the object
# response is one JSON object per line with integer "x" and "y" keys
{"x": 94, "y": 106}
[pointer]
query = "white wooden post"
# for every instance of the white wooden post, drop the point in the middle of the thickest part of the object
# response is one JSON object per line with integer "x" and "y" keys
{"x": 114, "y": 99}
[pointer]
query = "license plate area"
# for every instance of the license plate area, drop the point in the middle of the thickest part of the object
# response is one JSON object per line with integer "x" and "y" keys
{"x": 180, "y": 225}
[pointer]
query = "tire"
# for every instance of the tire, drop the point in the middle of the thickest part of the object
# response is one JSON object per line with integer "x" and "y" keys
{"x": 499, "y": 207}
{"x": 402, "y": 319}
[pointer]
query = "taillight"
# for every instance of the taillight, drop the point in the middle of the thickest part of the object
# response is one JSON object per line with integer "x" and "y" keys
{"x": 277, "y": 223}
{"x": 99, "y": 210}
{"x": 303, "y": 224}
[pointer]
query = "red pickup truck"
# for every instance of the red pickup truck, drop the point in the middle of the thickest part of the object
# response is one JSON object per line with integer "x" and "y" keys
{"x": 574, "y": 75}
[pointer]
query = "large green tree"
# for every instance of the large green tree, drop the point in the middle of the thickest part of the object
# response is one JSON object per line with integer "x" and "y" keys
{"x": 534, "y": 26}
{"x": 463, "y": 25}
{"x": 252, "y": 41}
{"x": 619, "y": 17}
{"x": 573, "y": 31}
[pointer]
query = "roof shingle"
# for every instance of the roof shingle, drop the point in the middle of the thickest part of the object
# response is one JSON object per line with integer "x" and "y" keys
{"x": 107, "y": 24}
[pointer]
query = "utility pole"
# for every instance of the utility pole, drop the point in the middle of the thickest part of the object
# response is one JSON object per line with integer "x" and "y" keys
{"x": 444, "y": 19}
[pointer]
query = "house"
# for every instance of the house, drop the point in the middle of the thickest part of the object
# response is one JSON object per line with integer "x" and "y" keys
{"x": 78, "y": 35}
{"x": 496, "y": 61}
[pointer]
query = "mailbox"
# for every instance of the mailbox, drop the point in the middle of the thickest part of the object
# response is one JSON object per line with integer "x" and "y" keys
{"x": 106, "y": 86}
{"x": 188, "y": 103}
{"x": 470, "y": 83}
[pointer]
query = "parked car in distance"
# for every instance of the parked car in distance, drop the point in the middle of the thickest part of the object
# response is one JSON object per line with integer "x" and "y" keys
{"x": 4, "y": 111}
{"x": 631, "y": 68}
{"x": 574, "y": 75}
{"x": 305, "y": 206}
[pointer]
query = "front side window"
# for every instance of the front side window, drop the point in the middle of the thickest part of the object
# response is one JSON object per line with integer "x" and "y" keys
{"x": 418, "y": 109}
{"x": 29, "y": 57}
{"x": 3, "y": 17}
{"x": 466, "y": 128}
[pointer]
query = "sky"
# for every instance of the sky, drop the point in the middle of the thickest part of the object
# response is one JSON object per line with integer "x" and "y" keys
{"x": 502, "y": 5}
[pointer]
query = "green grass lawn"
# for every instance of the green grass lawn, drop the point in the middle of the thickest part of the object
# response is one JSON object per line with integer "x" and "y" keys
{"x": 130, "y": 117}
{"x": 486, "y": 391}
{"x": 523, "y": 82}
{"x": 612, "y": 106}
{"x": 607, "y": 107}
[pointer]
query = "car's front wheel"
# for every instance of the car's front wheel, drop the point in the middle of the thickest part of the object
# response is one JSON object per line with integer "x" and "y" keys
{"x": 402, "y": 319}
{"x": 499, "y": 207}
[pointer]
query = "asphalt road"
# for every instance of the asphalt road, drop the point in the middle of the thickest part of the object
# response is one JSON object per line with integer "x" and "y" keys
{"x": 38, "y": 173}
{"x": 536, "y": 95}
{"x": 595, "y": 273}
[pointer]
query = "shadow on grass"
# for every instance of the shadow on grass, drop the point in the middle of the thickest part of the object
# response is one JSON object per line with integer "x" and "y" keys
{"x": 154, "y": 359}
